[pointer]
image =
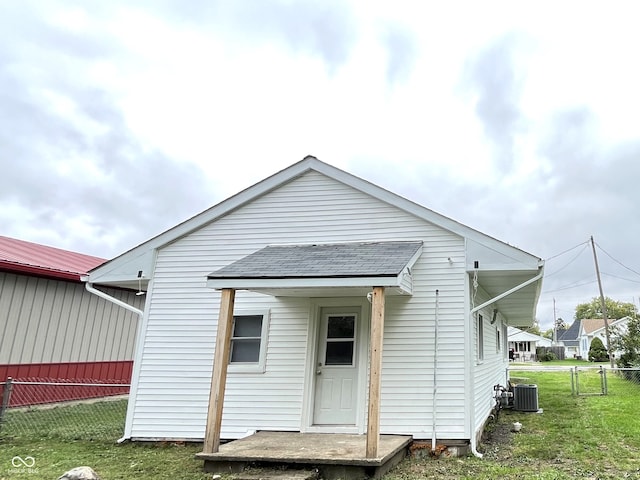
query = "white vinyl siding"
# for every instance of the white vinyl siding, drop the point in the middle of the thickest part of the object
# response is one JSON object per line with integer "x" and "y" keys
{"x": 175, "y": 369}
{"x": 491, "y": 370}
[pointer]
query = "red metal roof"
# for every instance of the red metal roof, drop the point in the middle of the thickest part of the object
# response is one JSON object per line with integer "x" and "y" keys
{"x": 31, "y": 258}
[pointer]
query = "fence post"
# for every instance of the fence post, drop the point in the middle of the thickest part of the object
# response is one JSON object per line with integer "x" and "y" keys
{"x": 6, "y": 398}
{"x": 577, "y": 381}
{"x": 603, "y": 370}
{"x": 573, "y": 383}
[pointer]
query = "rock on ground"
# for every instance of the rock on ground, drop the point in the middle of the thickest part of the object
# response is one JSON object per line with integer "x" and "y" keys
{"x": 80, "y": 473}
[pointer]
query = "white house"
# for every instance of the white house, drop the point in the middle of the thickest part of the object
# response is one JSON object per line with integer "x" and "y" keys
{"x": 594, "y": 328}
{"x": 578, "y": 337}
{"x": 336, "y": 305}
{"x": 523, "y": 344}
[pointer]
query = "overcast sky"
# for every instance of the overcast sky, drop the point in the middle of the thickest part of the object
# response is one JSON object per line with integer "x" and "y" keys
{"x": 120, "y": 119}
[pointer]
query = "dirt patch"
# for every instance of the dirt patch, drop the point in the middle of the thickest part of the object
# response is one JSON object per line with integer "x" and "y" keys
{"x": 497, "y": 439}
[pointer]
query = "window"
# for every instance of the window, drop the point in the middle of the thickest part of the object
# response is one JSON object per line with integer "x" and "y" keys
{"x": 505, "y": 340}
{"x": 480, "y": 338}
{"x": 341, "y": 335}
{"x": 248, "y": 342}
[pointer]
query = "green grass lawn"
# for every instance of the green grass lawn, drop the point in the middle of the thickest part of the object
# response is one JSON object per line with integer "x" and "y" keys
{"x": 594, "y": 437}
{"x": 61, "y": 438}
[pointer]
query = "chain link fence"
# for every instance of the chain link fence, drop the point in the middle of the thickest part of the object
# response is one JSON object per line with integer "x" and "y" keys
{"x": 67, "y": 410}
{"x": 590, "y": 380}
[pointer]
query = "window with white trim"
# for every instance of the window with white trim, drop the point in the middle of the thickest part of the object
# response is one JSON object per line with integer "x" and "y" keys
{"x": 480, "y": 338}
{"x": 249, "y": 342}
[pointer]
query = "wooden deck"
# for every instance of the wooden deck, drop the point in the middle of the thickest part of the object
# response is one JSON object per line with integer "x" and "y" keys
{"x": 334, "y": 455}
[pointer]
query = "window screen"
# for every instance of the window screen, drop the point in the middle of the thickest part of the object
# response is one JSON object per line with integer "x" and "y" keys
{"x": 246, "y": 339}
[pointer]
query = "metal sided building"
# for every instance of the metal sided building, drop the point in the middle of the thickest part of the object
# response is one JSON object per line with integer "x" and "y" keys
{"x": 52, "y": 328}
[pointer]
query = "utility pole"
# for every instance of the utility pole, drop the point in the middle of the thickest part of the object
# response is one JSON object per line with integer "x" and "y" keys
{"x": 555, "y": 324}
{"x": 602, "y": 301}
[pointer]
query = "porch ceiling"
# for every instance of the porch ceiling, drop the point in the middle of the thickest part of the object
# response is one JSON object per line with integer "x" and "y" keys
{"x": 518, "y": 308}
{"x": 344, "y": 269}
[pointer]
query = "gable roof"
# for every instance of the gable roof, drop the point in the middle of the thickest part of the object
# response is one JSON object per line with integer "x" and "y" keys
{"x": 592, "y": 324}
{"x": 570, "y": 334}
{"x": 517, "y": 335}
{"x": 19, "y": 256}
{"x": 123, "y": 270}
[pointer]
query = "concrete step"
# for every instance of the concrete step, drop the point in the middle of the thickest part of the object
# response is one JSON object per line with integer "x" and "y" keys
{"x": 274, "y": 474}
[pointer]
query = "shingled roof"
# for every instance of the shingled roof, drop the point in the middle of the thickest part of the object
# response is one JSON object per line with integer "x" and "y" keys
{"x": 570, "y": 335}
{"x": 373, "y": 259}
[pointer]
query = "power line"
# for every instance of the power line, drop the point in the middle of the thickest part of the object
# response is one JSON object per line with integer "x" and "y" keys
{"x": 570, "y": 261}
{"x": 617, "y": 261}
{"x": 571, "y": 285}
{"x": 621, "y": 278}
{"x": 567, "y": 251}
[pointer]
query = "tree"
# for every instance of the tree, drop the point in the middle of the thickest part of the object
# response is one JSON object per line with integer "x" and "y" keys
{"x": 629, "y": 344}
{"x": 535, "y": 329}
{"x": 597, "y": 352}
{"x": 548, "y": 334}
{"x": 615, "y": 309}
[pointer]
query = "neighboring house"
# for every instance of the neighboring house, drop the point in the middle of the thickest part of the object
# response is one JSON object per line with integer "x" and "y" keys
{"x": 343, "y": 307}
{"x": 52, "y": 328}
{"x": 523, "y": 344}
{"x": 594, "y": 328}
{"x": 578, "y": 337}
{"x": 569, "y": 338}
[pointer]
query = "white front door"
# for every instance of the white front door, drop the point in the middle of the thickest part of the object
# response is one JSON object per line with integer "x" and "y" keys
{"x": 336, "y": 388}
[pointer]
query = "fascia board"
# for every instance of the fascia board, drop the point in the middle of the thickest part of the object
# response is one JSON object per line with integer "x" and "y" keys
{"x": 510, "y": 268}
{"x": 412, "y": 261}
{"x": 272, "y": 283}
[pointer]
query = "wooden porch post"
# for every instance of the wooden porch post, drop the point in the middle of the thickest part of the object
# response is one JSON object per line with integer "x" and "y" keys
{"x": 219, "y": 377}
{"x": 375, "y": 369}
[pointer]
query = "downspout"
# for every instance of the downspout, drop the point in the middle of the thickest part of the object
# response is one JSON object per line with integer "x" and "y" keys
{"x": 111, "y": 299}
{"x": 473, "y": 443}
{"x": 120, "y": 303}
{"x": 472, "y": 387}
{"x": 435, "y": 374}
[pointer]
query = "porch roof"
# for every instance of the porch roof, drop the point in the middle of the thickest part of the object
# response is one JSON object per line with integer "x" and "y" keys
{"x": 322, "y": 269}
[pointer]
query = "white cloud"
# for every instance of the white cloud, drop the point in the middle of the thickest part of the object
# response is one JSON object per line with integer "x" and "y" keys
{"x": 519, "y": 120}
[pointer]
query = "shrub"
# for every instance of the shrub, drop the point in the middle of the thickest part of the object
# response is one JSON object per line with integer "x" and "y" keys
{"x": 629, "y": 344}
{"x": 597, "y": 352}
{"x": 547, "y": 356}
